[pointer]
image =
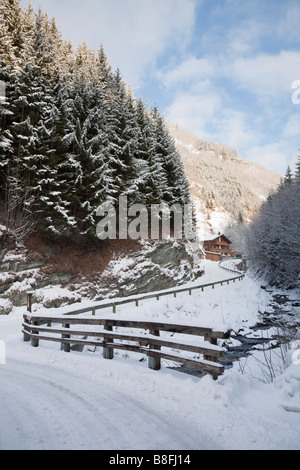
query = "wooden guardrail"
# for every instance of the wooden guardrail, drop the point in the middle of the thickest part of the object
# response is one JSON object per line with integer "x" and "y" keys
{"x": 229, "y": 269}
{"x": 149, "y": 344}
{"x": 100, "y": 332}
{"x": 137, "y": 298}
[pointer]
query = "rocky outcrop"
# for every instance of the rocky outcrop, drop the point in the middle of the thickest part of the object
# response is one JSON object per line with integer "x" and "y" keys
{"x": 157, "y": 266}
{"x": 19, "y": 266}
{"x": 152, "y": 266}
{"x": 20, "y": 272}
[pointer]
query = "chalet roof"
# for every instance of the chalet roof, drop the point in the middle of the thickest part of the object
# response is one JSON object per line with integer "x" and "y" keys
{"x": 212, "y": 237}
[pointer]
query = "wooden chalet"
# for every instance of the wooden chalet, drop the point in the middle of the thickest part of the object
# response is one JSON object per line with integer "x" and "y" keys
{"x": 217, "y": 247}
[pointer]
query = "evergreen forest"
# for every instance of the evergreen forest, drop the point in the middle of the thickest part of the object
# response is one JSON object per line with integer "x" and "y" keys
{"x": 273, "y": 238}
{"x": 73, "y": 135}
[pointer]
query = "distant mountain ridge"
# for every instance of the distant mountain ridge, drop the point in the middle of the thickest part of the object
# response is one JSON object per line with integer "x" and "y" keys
{"x": 225, "y": 187}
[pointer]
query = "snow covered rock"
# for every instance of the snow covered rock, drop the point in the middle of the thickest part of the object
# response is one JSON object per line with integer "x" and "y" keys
{"x": 157, "y": 266}
{"x": 6, "y": 306}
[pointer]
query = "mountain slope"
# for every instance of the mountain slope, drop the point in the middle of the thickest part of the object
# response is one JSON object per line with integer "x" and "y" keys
{"x": 224, "y": 186}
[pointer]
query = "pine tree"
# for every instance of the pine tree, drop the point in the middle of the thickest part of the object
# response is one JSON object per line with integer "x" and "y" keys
{"x": 288, "y": 176}
{"x": 12, "y": 34}
{"x": 104, "y": 73}
{"x": 157, "y": 178}
{"x": 86, "y": 62}
{"x": 28, "y": 31}
{"x": 273, "y": 241}
{"x": 25, "y": 100}
{"x": 67, "y": 63}
{"x": 297, "y": 171}
{"x": 176, "y": 190}
{"x": 142, "y": 149}
{"x": 7, "y": 49}
{"x": 24, "y": 93}
{"x": 5, "y": 136}
{"x": 84, "y": 144}
{"x": 58, "y": 172}
{"x": 47, "y": 45}
{"x": 120, "y": 128}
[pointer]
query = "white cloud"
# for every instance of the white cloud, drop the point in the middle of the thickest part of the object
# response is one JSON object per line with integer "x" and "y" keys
{"x": 189, "y": 71}
{"x": 249, "y": 24}
{"x": 292, "y": 127}
{"x": 235, "y": 130}
{"x": 266, "y": 74}
{"x": 205, "y": 115}
{"x": 143, "y": 31}
{"x": 196, "y": 110}
{"x": 245, "y": 39}
{"x": 289, "y": 22}
{"x": 274, "y": 155}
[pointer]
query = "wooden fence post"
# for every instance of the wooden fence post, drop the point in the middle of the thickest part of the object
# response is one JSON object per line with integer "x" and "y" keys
{"x": 210, "y": 357}
{"x": 65, "y": 346}
{"x": 34, "y": 341}
{"x": 26, "y": 336}
{"x": 108, "y": 353}
{"x": 211, "y": 341}
{"x": 29, "y": 301}
{"x": 154, "y": 361}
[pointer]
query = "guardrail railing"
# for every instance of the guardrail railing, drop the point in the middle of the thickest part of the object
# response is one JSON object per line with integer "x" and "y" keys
{"x": 113, "y": 303}
{"x": 100, "y": 332}
{"x": 150, "y": 343}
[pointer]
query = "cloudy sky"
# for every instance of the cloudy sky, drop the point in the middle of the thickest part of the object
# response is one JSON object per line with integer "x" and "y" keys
{"x": 228, "y": 71}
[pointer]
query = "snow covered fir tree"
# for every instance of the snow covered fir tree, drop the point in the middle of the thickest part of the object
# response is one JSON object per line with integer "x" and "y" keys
{"x": 72, "y": 133}
{"x": 272, "y": 240}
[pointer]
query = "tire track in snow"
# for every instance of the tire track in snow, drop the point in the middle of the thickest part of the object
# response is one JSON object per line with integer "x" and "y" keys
{"x": 45, "y": 408}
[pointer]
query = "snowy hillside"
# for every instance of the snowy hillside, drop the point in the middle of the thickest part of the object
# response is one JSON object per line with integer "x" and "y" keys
{"x": 53, "y": 400}
{"x": 224, "y": 185}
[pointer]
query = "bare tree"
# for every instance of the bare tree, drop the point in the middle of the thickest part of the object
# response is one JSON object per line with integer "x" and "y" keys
{"x": 18, "y": 217}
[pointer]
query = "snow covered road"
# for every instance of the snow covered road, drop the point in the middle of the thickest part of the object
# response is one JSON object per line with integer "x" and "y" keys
{"x": 54, "y": 409}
